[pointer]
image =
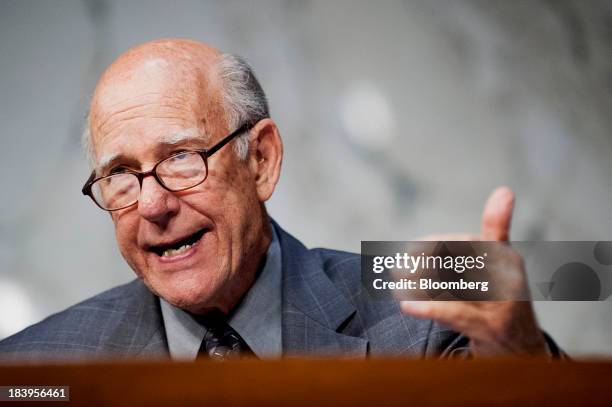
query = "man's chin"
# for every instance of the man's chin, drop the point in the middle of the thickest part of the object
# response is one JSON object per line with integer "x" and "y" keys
{"x": 186, "y": 294}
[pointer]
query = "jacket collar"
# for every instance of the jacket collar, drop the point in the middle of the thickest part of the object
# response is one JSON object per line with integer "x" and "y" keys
{"x": 314, "y": 310}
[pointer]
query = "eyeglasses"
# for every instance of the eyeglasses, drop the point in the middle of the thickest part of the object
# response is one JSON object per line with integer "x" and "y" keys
{"x": 180, "y": 171}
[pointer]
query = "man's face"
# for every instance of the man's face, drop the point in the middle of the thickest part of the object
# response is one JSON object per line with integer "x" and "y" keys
{"x": 191, "y": 247}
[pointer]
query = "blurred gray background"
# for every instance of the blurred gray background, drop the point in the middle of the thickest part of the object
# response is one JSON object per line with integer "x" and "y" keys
{"x": 398, "y": 118}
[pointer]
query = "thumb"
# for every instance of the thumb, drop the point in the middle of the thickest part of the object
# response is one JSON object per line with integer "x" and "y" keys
{"x": 497, "y": 215}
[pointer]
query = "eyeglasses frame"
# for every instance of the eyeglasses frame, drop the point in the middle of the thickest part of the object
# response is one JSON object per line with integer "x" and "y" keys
{"x": 204, "y": 153}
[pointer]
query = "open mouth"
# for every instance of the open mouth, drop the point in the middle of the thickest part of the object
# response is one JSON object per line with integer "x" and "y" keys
{"x": 181, "y": 246}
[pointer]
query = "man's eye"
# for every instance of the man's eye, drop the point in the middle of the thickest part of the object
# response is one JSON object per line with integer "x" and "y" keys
{"x": 180, "y": 154}
{"x": 117, "y": 170}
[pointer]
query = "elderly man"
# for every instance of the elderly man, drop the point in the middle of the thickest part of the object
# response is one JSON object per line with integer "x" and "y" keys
{"x": 185, "y": 155}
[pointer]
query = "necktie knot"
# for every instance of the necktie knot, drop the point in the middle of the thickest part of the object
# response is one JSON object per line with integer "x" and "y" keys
{"x": 221, "y": 341}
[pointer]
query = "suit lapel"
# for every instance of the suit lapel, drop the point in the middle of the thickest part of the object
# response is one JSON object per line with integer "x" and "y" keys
{"x": 314, "y": 310}
{"x": 141, "y": 331}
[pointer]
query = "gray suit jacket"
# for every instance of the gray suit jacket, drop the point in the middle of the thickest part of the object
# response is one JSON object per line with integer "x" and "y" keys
{"x": 324, "y": 313}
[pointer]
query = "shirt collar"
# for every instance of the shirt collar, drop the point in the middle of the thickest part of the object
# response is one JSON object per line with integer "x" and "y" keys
{"x": 257, "y": 318}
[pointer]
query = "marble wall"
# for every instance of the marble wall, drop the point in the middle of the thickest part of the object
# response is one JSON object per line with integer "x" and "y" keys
{"x": 398, "y": 118}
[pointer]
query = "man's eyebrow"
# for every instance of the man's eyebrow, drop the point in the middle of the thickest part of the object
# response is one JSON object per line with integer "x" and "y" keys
{"x": 182, "y": 136}
{"x": 166, "y": 140}
{"x": 106, "y": 161}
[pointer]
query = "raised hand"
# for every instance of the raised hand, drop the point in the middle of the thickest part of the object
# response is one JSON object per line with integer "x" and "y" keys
{"x": 495, "y": 328}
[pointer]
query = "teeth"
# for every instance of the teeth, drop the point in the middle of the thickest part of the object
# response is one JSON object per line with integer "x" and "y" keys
{"x": 174, "y": 252}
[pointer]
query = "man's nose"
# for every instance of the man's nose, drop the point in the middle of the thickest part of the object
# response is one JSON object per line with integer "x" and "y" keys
{"x": 156, "y": 204}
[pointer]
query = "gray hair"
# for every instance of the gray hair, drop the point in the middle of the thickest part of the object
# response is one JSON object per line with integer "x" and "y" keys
{"x": 243, "y": 99}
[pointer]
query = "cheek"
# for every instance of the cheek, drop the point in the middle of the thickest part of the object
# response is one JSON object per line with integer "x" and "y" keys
{"x": 230, "y": 190}
{"x": 126, "y": 236}
{"x": 123, "y": 237}
{"x": 230, "y": 200}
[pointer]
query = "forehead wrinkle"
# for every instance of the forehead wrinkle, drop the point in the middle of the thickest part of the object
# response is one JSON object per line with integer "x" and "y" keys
{"x": 169, "y": 104}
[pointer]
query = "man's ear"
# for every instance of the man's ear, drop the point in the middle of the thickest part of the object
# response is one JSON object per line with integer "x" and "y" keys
{"x": 265, "y": 157}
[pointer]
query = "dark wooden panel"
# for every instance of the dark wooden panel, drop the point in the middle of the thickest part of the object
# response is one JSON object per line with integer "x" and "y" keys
{"x": 326, "y": 382}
